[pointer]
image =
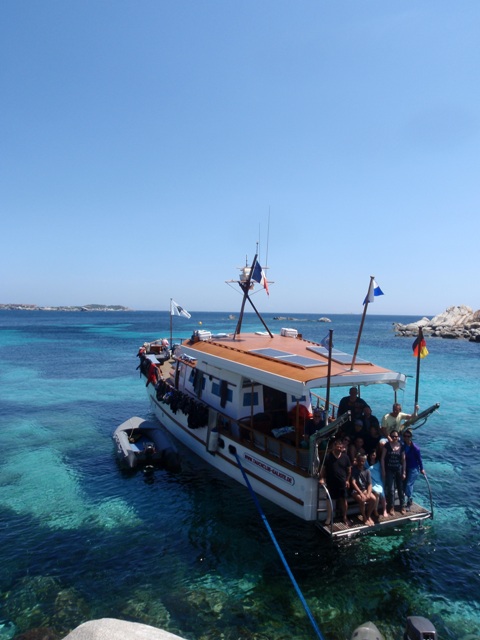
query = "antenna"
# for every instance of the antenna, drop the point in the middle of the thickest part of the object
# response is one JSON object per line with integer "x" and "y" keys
{"x": 268, "y": 237}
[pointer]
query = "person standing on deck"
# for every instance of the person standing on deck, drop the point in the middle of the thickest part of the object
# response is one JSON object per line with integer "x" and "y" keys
{"x": 355, "y": 405}
{"x": 393, "y": 471}
{"x": 414, "y": 464}
{"x": 336, "y": 474}
{"x": 394, "y": 420}
{"x": 368, "y": 419}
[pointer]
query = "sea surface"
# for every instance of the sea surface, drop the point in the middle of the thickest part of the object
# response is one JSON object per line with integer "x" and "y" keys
{"x": 80, "y": 539}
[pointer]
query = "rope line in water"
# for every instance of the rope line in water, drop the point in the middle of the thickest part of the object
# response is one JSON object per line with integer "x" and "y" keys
{"x": 279, "y": 551}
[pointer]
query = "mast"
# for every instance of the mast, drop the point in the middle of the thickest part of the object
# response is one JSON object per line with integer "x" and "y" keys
{"x": 246, "y": 285}
{"x": 419, "y": 356}
{"x": 365, "y": 306}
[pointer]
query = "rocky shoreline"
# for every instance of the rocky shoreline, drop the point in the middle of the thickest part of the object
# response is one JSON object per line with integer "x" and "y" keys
{"x": 454, "y": 323}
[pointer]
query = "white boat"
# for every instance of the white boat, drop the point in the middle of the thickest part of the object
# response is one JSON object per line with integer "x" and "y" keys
{"x": 240, "y": 400}
{"x": 139, "y": 442}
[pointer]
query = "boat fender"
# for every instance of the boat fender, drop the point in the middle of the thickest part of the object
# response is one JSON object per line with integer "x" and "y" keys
{"x": 212, "y": 441}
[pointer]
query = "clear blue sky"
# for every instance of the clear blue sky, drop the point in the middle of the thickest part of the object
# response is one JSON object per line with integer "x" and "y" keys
{"x": 143, "y": 144}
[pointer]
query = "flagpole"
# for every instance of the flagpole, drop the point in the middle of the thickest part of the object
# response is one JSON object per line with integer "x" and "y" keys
{"x": 419, "y": 351}
{"x": 329, "y": 373}
{"x": 370, "y": 288}
{"x": 171, "y": 329}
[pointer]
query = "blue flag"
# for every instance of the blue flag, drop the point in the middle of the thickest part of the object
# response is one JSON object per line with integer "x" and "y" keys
{"x": 373, "y": 292}
{"x": 326, "y": 342}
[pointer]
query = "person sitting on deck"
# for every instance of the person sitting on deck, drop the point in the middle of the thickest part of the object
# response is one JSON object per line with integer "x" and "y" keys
{"x": 336, "y": 473}
{"x": 414, "y": 464}
{"x": 375, "y": 469}
{"x": 394, "y": 420}
{"x": 362, "y": 489}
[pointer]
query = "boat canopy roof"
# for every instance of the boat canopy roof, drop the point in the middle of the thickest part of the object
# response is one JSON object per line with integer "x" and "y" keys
{"x": 290, "y": 364}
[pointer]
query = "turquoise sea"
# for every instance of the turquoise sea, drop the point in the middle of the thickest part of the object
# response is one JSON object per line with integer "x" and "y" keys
{"x": 188, "y": 552}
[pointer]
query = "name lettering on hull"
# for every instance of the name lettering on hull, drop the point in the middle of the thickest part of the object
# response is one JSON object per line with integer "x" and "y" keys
{"x": 278, "y": 473}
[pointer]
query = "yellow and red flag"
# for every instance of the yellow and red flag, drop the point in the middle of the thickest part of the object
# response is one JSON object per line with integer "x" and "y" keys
{"x": 420, "y": 346}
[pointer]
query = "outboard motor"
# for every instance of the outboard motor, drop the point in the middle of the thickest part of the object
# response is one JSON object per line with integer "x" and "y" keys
{"x": 149, "y": 467}
{"x": 149, "y": 453}
{"x": 419, "y": 628}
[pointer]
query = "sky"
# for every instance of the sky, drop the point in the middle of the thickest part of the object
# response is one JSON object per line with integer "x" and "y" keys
{"x": 149, "y": 148}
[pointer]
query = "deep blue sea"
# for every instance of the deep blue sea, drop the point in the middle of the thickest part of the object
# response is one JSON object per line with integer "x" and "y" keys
{"x": 188, "y": 552}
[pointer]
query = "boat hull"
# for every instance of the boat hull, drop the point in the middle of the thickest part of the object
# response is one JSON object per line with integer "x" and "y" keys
{"x": 286, "y": 488}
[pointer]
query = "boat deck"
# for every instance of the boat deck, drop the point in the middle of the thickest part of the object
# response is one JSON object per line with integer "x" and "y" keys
{"x": 340, "y": 529}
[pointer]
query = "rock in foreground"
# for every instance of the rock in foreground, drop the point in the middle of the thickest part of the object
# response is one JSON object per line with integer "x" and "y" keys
{"x": 111, "y": 629}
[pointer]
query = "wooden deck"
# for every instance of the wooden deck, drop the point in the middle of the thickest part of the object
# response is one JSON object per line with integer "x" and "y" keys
{"x": 341, "y": 530}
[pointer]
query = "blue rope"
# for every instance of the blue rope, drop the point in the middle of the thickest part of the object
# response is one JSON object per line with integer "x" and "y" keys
{"x": 279, "y": 551}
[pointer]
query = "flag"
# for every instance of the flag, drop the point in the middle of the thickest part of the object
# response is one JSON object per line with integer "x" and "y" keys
{"x": 177, "y": 310}
{"x": 326, "y": 342}
{"x": 258, "y": 275}
{"x": 373, "y": 291}
{"x": 420, "y": 346}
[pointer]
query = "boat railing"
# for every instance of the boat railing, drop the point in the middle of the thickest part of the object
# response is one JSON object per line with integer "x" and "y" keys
{"x": 328, "y": 498}
{"x": 275, "y": 448}
{"x": 320, "y": 401}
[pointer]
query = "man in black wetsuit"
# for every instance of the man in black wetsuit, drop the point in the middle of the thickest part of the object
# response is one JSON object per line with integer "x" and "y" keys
{"x": 355, "y": 405}
{"x": 336, "y": 475}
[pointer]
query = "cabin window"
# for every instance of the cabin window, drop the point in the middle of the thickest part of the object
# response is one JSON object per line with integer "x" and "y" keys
{"x": 298, "y": 399}
{"x": 217, "y": 391}
{"x": 247, "y": 399}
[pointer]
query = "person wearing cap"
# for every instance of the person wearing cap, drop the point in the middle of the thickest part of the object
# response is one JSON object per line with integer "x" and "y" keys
{"x": 358, "y": 429}
{"x": 414, "y": 464}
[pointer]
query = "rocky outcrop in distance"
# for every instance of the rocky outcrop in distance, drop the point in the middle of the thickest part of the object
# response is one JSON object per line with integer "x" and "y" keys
{"x": 87, "y": 307}
{"x": 292, "y": 319}
{"x": 455, "y": 322}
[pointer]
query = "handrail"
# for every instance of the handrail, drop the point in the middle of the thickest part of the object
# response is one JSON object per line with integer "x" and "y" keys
{"x": 424, "y": 415}
{"x": 329, "y": 498}
{"x": 324, "y": 400}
